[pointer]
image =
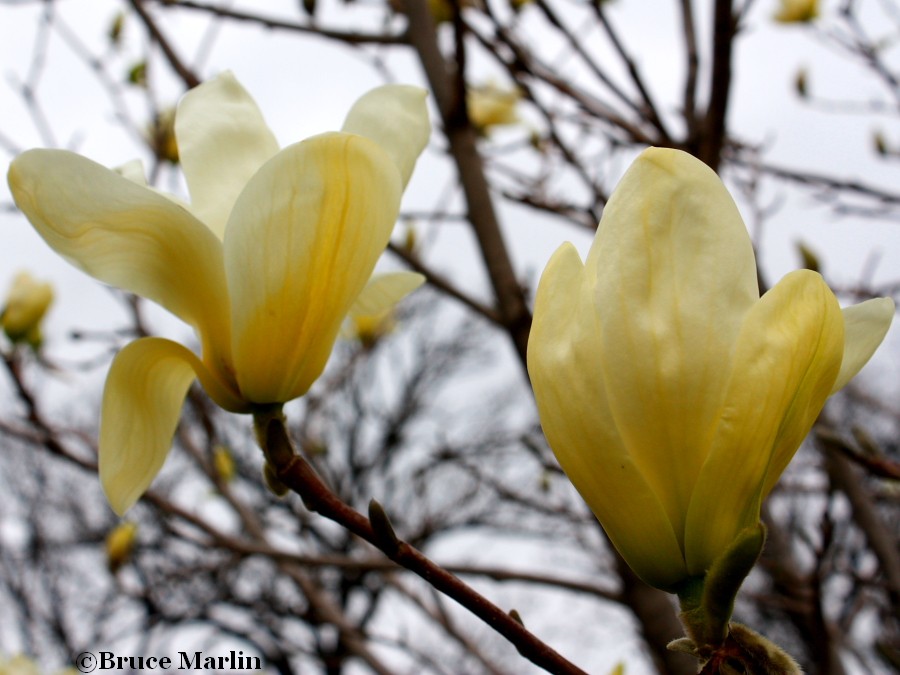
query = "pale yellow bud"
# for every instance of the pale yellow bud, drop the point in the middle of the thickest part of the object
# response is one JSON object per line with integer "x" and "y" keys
{"x": 19, "y": 665}
{"x": 369, "y": 329}
{"x": 120, "y": 544}
{"x": 161, "y": 136}
{"x": 797, "y": 11}
{"x": 26, "y": 304}
{"x": 493, "y": 106}
{"x": 223, "y": 463}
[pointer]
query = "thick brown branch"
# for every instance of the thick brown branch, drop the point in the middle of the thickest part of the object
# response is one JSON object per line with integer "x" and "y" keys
{"x": 461, "y": 138}
{"x": 712, "y": 138}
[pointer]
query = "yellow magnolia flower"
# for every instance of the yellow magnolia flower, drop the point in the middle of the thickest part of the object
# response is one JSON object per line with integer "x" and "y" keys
{"x": 26, "y": 305}
{"x": 265, "y": 262}
{"x": 673, "y": 395}
{"x": 797, "y": 11}
{"x": 492, "y": 106}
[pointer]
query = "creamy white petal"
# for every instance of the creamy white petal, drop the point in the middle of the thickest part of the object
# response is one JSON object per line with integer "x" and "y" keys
{"x": 142, "y": 401}
{"x": 396, "y": 117}
{"x": 865, "y": 326}
{"x": 222, "y": 141}
{"x": 128, "y": 236}
{"x": 384, "y": 291}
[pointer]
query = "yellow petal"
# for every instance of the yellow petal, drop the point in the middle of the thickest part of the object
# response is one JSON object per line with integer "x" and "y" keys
{"x": 142, "y": 400}
{"x": 394, "y": 116}
{"x": 865, "y": 326}
{"x": 567, "y": 372}
{"x": 300, "y": 246}
{"x": 222, "y": 141}
{"x": 384, "y": 291}
{"x": 786, "y": 360}
{"x": 128, "y": 236}
{"x": 675, "y": 275}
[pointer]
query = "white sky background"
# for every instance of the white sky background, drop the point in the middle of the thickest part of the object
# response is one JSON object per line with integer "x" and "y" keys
{"x": 305, "y": 86}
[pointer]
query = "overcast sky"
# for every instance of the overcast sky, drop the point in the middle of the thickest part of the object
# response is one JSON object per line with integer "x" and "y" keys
{"x": 305, "y": 86}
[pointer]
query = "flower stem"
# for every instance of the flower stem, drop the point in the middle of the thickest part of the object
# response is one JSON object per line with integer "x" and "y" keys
{"x": 297, "y": 474}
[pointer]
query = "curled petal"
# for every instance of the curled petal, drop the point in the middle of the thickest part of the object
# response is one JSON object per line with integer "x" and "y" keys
{"x": 301, "y": 245}
{"x": 865, "y": 326}
{"x": 128, "y": 236}
{"x": 394, "y": 116}
{"x": 567, "y": 373}
{"x": 675, "y": 275}
{"x": 384, "y": 291}
{"x": 222, "y": 141}
{"x": 787, "y": 358}
{"x": 142, "y": 400}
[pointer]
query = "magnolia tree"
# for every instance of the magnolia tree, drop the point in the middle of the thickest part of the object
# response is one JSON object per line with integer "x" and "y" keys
{"x": 393, "y": 430}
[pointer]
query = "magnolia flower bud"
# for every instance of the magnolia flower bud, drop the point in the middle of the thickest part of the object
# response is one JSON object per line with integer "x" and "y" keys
{"x": 26, "y": 304}
{"x": 120, "y": 545}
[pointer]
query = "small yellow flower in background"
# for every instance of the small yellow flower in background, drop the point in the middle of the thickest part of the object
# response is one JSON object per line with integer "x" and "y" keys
{"x": 797, "y": 11}
{"x": 23, "y": 665}
{"x": 442, "y": 10}
{"x": 26, "y": 304}
{"x": 120, "y": 544}
{"x": 372, "y": 316}
{"x": 673, "y": 395}
{"x": 265, "y": 263}
{"x": 491, "y": 106}
{"x": 19, "y": 665}
{"x": 223, "y": 463}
